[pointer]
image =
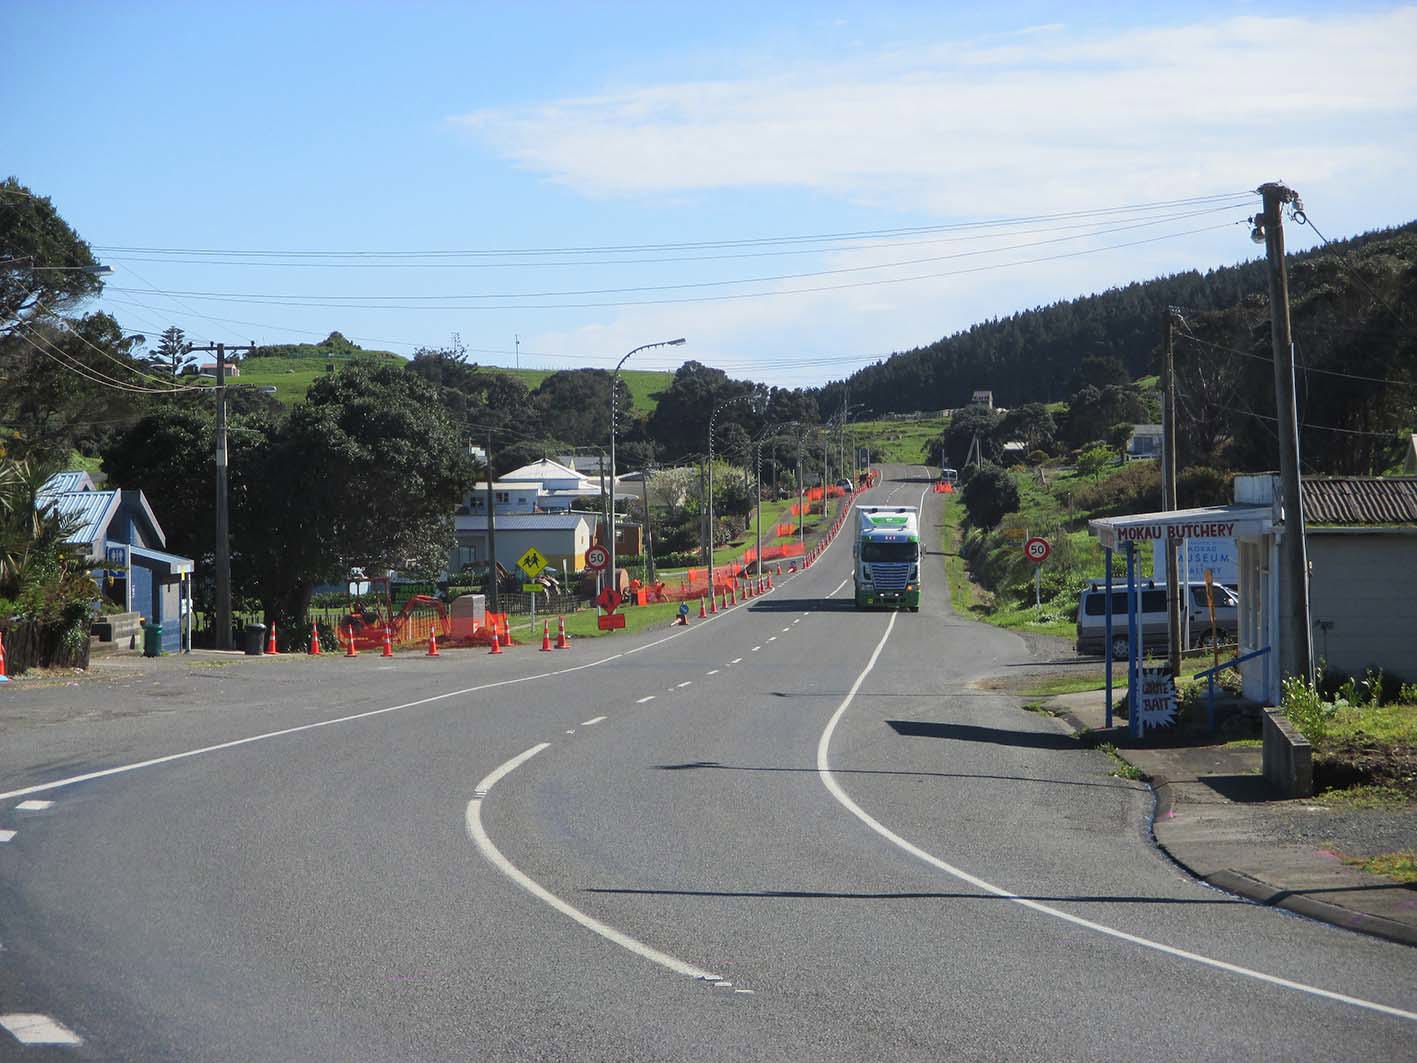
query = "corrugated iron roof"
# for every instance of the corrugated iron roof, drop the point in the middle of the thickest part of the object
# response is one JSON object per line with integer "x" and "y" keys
{"x": 64, "y": 482}
{"x": 525, "y": 521}
{"x": 1360, "y": 499}
{"x": 91, "y": 510}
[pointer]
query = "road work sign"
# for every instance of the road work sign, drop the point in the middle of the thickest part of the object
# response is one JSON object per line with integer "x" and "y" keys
{"x": 531, "y": 562}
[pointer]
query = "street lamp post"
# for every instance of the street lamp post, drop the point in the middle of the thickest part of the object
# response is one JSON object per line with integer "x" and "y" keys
{"x": 614, "y": 392}
{"x": 758, "y": 480}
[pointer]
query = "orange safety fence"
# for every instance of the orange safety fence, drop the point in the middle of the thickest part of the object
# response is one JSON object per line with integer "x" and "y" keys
{"x": 782, "y": 530}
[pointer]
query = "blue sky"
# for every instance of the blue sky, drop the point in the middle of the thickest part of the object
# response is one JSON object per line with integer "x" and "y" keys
{"x": 363, "y": 127}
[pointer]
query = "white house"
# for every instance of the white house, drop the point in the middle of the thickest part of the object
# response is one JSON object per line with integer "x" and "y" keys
{"x": 557, "y": 485}
{"x": 563, "y": 538}
{"x": 1361, "y": 538}
{"x": 1145, "y": 442}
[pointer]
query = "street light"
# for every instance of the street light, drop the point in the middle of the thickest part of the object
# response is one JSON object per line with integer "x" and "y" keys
{"x": 614, "y": 393}
{"x": 758, "y": 480}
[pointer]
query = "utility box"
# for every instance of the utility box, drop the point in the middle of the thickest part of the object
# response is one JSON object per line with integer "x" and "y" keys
{"x": 467, "y": 615}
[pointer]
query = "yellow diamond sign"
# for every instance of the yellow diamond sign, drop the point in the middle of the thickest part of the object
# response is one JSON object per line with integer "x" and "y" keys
{"x": 531, "y": 562}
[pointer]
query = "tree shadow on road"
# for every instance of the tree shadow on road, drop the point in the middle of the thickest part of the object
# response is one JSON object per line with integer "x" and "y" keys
{"x": 713, "y": 765}
{"x": 966, "y": 732}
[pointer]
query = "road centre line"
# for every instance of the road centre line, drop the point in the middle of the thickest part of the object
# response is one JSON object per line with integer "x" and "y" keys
{"x": 736, "y": 660}
{"x": 756, "y": 648}
{"x": 712, "y": 671}
{"x": 170, "y": 758}
{"x": 30, "y": 1029}
{"x": 772, "y": 638}
{"x": 647, "y": 697}
{"x": 592, "y": 721}
{"x": 478, "y": 834}
{"x": 838, "y": 792}
{"x": 686, "y": 683}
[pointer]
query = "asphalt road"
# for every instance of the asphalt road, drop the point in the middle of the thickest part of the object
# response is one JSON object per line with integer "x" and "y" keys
{"x": 792, "y": 832}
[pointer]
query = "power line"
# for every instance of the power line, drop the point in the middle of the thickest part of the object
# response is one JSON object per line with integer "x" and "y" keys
{"x": 1101, "y": 227}
{"x": 734, "y": 297}
{"x": 275, "y": 298}
{"x": 702, "y": 244}
{"x": 1391, "y": 436}
{"x": 1307, "y": 369}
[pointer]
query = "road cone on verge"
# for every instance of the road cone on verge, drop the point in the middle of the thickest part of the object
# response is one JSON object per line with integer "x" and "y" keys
{"x": 703, "y": 613}
{"x": 433, "y": 644}
{"x": 713, "y": 601}
{"x": 496, "y": 646}
{"x": 315, "y": 650}
{"x": 546, "y": 636}
{"x": 350, "y": 651}
{"x": 388, "y": 644}
{"x": 562, "y": 643}
{"x": 271, "y": 642}
{"x": 3, "y": 677}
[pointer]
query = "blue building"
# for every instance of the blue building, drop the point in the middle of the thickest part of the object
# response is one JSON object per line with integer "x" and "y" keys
{"x": 118, "y": 530}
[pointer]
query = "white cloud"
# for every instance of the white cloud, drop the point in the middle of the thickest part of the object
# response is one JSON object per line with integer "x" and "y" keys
{"x": 970, "y": 129}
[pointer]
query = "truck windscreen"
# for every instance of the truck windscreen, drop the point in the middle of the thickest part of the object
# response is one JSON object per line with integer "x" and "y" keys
{"x": 878, "y": 552}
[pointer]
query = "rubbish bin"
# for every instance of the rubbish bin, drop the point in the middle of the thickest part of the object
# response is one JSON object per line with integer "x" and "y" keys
{"x": 152, "y": 640}
{"x": 254, "y": 642}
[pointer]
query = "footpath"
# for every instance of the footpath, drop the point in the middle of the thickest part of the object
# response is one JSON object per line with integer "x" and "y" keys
{"x": 1217, "y": 819}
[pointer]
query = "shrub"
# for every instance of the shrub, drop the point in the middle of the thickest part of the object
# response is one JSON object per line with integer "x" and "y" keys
{"x": 1134, "y": 488}
{"x": 1306, "y": 707}
{"x": 990, "y": 494}
{"x": 1092, "y": 461}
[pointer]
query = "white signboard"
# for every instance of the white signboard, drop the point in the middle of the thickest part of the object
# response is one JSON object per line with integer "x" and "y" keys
{"x": 1158, "y": 698}
{"x": 1221, "y": 556}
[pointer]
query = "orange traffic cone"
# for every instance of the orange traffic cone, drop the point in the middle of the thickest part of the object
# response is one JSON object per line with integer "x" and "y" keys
{"x": 3, "y": 677}
{"x": 350, "y": 651}
{"x": 271, "y": 642}
{"x": 315, "y": 650}
{"x": 388, "y": 644}
{"x": 433, "y": 644}
{"x": 546, "y": 636}
{"x": 562, "y": 643}
{"x": 703, "y": 613}
{"x": 496, "y": 646}
{"x": 713, "y": 602}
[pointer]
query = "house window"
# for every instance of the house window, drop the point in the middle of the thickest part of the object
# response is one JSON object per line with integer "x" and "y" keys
{"x": 502, "y": 497}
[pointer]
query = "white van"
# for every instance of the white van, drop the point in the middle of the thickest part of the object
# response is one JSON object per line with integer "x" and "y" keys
{"x": 1092, "y": 619}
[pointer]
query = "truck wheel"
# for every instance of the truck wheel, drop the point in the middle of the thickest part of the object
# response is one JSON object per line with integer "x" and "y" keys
{"x": 1119, "y": 647}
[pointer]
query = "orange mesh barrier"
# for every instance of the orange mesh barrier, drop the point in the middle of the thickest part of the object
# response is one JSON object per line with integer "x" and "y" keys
{"x": 783, "y": 530}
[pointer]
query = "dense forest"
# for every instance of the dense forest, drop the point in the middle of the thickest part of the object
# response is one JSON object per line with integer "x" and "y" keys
{"x": 1353, "y": 307}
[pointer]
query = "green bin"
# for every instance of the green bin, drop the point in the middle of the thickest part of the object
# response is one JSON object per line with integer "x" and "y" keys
{"x": 152, "y": 640}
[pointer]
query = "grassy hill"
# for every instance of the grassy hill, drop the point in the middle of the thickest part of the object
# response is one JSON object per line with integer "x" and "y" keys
{"x": 292, "y": 368}
{"x": 897, "y": 441}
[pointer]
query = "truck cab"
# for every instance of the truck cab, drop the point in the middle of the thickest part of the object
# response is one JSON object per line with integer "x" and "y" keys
{"x": 886, "y": 557}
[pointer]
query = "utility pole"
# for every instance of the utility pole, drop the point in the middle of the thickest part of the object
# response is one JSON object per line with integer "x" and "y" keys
{"x": 221, "y": 554}
{"x": 1295, "y": 632}
{"x": 1174, "y": 590}
{"x": 492, "y": 583}
{"x": 649, "y": 538}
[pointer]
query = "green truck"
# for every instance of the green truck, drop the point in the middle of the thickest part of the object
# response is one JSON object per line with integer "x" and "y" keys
{"x": 886, "y": 556}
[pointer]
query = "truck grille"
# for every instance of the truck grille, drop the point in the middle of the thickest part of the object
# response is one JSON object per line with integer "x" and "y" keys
{"x": 890, "y": 576}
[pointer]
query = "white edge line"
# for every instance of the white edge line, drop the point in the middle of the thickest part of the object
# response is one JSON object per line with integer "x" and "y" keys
{"x": 829, "y": 780}
{"x": 478, "y": 834}
{"x": 592, "y": 721}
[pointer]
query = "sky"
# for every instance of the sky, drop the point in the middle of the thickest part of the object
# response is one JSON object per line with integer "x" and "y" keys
{"x": 797, "y": 189}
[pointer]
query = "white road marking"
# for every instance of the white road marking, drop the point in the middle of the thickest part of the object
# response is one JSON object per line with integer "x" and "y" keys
{"x": 31, "y": 1029}
{"x": 786, "y": 629}
{"x": 6, "y": 835}
{"x": 647, "y": 697}
{"x": 840, "y": 585}
{"x": 748, "y": 991}
{"x": 736, "y": 660}
{"x": 797, "y": 621}
{"x": 772, "y": 638}
{"x": 571, "y": 731}
{"x": 836, "y": 790}
{"x": 686, "y": 683}
{"x": 756, "y": 648}
{"x": 475, "y": 831}
{"x": 153, "y": 762}
{"x": 592, "y": 721}
{"x": 34, "y": 806}
{"x": 713, "y": 671}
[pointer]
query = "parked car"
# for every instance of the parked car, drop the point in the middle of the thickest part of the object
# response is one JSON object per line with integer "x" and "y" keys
{"x": 845, "y": 484}
{"x": 1092, "y": 619}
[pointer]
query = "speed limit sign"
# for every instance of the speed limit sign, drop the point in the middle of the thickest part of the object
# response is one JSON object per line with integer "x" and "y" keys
{"x": 1037, "y": 550}
{"x": 597, "y": 558}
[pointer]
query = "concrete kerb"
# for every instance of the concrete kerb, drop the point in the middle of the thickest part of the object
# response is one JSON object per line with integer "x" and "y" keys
{"x": 1230, "y": 880}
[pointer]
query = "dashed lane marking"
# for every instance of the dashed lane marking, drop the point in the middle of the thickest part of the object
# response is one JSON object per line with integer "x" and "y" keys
{"x": 571, "y": 731}
{"x": 685, "y": 683}
{"x": 736, "y": 660}
{"x": 797, "y": 621}
{"x": 593, "y": 721}
{"x": 34, "y": 806}
{"x": 478, "y": 834}
{"x": 31, "y": 1029}
{"x": 772, "y": 638}
{"x": 756, "y": 649}
{"x": 712, "y": 671}
{"x": 787, "y": 629}
{"x": 647, "y": 697}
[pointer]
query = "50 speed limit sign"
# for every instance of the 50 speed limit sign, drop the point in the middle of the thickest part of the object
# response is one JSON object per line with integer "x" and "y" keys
{"x": 1037, "y": 550}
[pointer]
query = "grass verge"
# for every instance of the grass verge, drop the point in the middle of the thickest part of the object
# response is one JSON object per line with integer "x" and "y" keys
{"x": 1400, "y": 866}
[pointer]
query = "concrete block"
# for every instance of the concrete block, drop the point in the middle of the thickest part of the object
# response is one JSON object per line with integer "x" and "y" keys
{"x": 1288, "y": 757}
